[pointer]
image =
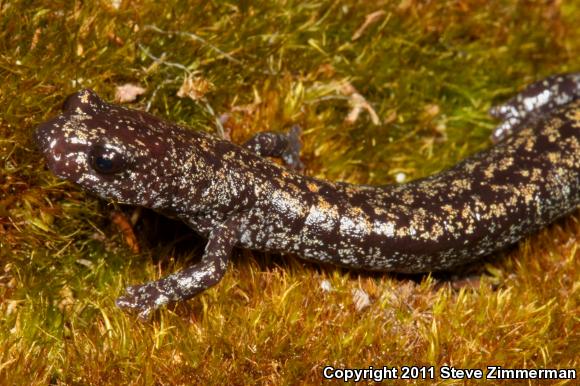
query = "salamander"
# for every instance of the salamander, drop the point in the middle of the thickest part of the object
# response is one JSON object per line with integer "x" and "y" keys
{"x": 235, "y": 196}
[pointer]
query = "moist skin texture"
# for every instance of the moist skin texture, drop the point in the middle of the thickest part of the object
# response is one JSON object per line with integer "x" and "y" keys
{"x": 235, "y": 197}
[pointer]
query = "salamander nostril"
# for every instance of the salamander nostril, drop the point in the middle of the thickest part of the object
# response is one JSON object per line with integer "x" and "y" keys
{"x": 41, "y": 136}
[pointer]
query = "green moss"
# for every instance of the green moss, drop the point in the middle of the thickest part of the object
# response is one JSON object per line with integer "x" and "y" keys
{"x": 430, "y": 70}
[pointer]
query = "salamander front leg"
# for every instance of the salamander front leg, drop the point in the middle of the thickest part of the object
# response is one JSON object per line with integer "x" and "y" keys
{"x": 189, "y": 282}
{"x": 285, "y": 146}
{"x": 533, "y": 102}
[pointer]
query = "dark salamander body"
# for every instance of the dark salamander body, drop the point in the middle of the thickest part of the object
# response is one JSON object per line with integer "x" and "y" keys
{"x": 235, "y": 197}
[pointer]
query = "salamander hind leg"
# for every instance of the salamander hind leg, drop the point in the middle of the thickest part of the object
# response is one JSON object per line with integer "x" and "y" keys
{"x": 535, "y": 101}
{"x": 189, "y": 282}
{"x": 285, "y": 146}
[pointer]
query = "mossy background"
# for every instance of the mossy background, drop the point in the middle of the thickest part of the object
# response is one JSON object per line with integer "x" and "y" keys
{"x": 430, "y": 70}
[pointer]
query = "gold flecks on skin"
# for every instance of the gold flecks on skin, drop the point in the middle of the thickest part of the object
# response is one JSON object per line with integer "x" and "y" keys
{"x": 312, "y": 187}
{"x": 408, "y": 198}
{"x": 234, "y": 195}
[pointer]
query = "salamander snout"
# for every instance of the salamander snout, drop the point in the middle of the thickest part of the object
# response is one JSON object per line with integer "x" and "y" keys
{"x": 49, "y": 140}
{"x": 41, "y": 136}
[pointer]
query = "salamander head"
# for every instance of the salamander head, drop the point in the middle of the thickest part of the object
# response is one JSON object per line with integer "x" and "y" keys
{"x": 119, "y": 154}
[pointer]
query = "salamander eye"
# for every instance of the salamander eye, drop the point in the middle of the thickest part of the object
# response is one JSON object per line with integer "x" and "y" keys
{"x": 106, "y": 161}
